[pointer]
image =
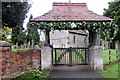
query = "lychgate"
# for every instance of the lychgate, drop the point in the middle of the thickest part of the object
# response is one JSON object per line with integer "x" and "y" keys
{"x": 60, "y": 18}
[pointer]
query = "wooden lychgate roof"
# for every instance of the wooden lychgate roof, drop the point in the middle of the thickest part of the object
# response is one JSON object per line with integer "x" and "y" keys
{"x": 71, "y": 12}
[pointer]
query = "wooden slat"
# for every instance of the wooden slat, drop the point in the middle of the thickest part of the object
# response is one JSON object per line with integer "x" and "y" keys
{"x": 110, "y": 56}
{"x": 109, "y": 61}
{"x": 111, "y": 50}
{"x": 117, "y": 50}
{"x": 70, "y": 58}
{"x": 60, "y": 56}
{"x": 106, "y": 50}
{"x": 73, "y": 48}
{"x": 55, "y": 57}
{"x": 79, "y": 55}
{"x": 113, "y": 60}
{"x": 65, "y": 55}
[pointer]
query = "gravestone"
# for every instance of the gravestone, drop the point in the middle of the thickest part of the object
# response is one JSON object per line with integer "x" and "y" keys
{"x": 25, "y": 45}
{"x": 28, "y": 45}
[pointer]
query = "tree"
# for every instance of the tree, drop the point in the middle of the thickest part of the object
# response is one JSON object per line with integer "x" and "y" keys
{"x": 14, "y": 13}
{"x": 32, "y": 33}
{"x": 113, "y": 11}
{"x": 5, "y": 33}
{"x": 17, "y": 13}
{"x": 18, "y": 36}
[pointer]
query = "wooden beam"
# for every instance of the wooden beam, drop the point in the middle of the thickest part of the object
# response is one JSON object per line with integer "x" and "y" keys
{"x": 47, "y": 37}
{"x": 77, "y": 33}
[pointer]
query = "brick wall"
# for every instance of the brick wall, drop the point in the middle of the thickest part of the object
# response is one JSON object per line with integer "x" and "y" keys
{"x": 4, "y": 61}
{"x": 18, "y": 62}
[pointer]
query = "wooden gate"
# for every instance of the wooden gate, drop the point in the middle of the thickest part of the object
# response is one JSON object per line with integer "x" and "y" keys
{"x": 69, "y": 56}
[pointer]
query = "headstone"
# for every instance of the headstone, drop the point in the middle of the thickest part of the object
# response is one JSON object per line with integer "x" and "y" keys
{"x": 25, "y": 45}
{"x": 22, "y": 46}
{"x": 16, "y": 45}
{"x": 32, "y": 44}
{"x": 37, "y": 47}
{"x": 13, "y": 47}
{"x": 28, "y": 44}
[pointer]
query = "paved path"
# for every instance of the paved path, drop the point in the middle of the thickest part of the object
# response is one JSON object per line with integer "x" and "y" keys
{"x": 81, "y": 71}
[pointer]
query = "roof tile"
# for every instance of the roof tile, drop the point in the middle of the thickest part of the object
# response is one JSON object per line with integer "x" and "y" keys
{"x": 71, "y": 12}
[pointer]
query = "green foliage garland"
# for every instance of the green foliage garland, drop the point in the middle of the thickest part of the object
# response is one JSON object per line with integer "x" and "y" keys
{"x": 106, "y": 30}
{"x": 94, "y": 26}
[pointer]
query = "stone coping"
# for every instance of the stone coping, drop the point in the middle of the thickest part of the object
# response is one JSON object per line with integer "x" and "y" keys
{"x": 5, "y": 44}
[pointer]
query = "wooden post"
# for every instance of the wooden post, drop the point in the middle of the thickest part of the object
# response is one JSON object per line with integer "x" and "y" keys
{"x": 55, "y": 57}
{"x": 70, "y": 56}
{"x": 85, "y": 56}
{"x": 117, "y": 55}
{"x": 52, "y": 57}
{"x": 47, "y": 37}
{"x": 109, "y": 57}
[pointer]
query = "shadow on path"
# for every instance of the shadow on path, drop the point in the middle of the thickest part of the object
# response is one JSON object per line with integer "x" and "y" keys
{"x": 74, "y": 72}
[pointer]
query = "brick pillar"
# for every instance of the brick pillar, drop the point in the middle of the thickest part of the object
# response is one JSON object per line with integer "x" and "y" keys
{"x": 46, "y": 58}
{"x": 36, "y": 57}
{"x": 5, "y": 49}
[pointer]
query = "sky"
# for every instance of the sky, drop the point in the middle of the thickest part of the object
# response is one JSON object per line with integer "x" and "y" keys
{"x": 39, "y": 7}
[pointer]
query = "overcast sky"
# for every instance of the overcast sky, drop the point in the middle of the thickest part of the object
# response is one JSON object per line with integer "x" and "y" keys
{"x": 39, "y": 7}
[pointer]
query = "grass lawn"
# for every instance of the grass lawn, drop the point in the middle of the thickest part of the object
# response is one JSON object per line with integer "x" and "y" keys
{"x": 113, "y": 70}
{"x": 21, "y": 49}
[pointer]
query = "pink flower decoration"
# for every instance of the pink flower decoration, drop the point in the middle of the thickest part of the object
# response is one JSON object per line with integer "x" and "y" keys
{"x": 33, "y": 24}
